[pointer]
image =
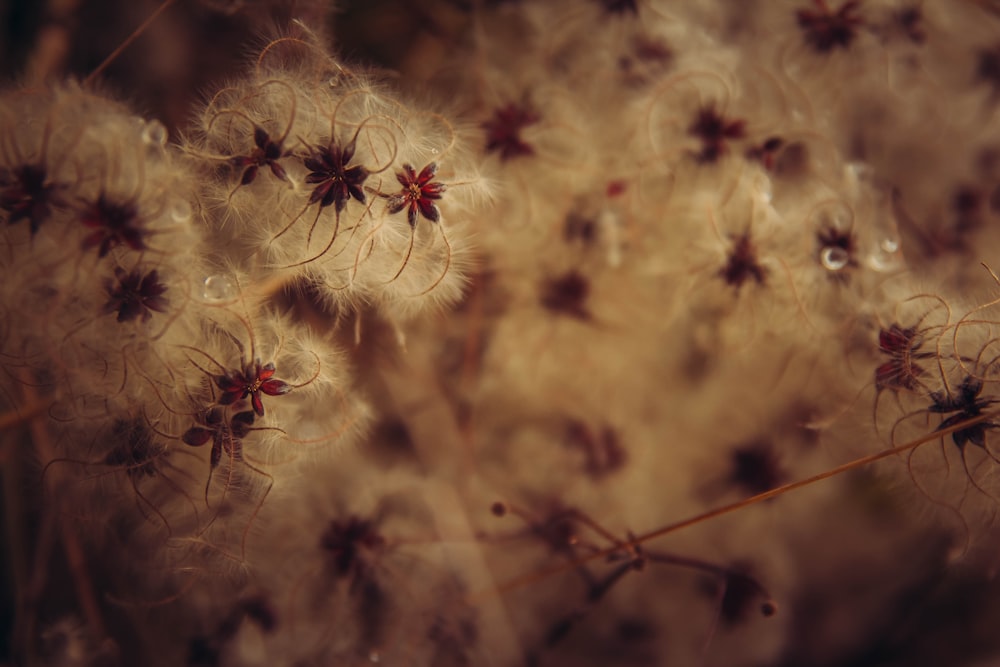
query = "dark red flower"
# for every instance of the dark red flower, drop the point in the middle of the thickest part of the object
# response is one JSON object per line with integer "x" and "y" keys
{"x": 967, "y": 405}
{"x": 714, "y": 130}
{"x": 348, "y": 542}
{"x": 25, "y": 194}
{"x": 252, "y": 381}
{"x": 418, "y": 194}
{"x": 766, "y": 153}
{"x": 503, "y": 131}
{"x": 826, "y": 30}
{"x": 267, "y": 153}
{"x": 742, "y": 263}
{"x": 567, "y": 295}
{"x": 335, "y": 178}
{"x": 114, "y": 223}
{"x": 135, "y": 295}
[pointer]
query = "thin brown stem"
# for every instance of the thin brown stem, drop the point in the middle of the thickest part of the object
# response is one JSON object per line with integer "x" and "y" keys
{"x": 128, "y": 42}
{"x": 528, "y": 579}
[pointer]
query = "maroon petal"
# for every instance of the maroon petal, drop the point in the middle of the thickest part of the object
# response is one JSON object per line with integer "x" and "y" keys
{"x": 406, "y": 176}
{"x": 241, "y": 423}
{"x": 321, "y": 192}
{"x": 397, "y": 203}
{"x": 258, "y": 404}
{"x": 228, "y": 383}
{"x": 356, "y": 175}
{"x": 275, "y": 387}
{"x": 336, "y": 194}
{"x": 894, "y": 339}
{"x": 356, "y": 192}
{"x": 157, "y": 303}
{"x": 429, "y": 210}
{"x": 427, "y": 173}
{"x": 278, "y": 171}
{"x": 433, "y": 190}
{"x": 230, "y": 397}
{"x": 133, "y": 239}
{"x": 347, "y": 154}
{"x": 260, "y": 137}
{"x": 150, "y": 283}
{"x": 735, "y": 130}
{"x": 130, "y": 310}
{"x": 196, "y": 437}
{"x": 249, "y": 175}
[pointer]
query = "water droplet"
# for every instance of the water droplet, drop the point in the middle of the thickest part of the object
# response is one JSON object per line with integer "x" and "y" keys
{"x": 180, "y": 211}
{"x": 861, "y": 170}
{"x": 834, "y": 258}
{"x": 886, "y": 256}
{"x": 373, "y": 656}
{"x": 218, "y": 288}
{"x": 154, "y": 134}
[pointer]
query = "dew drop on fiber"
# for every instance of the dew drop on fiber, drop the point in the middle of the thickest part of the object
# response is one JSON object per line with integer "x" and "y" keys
{"x": 861, "y": 171}
{"x": 154, "y": 134}
{"x": 180, "y": 211}
{"x": 885, "y": 256}
{"x": 218, "y": 288}
{"x": 834, "y": 259}
{"x": 889, "y": 244}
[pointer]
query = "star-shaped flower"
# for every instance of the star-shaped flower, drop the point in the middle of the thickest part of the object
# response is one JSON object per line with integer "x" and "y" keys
{"x": 335, "y": 178}
{"x": 135, "y": 295}
{"x": 267, "y": 153}
{"x": 25, "y": 193}
{"x": 503, "y": 131}
{"x": 114, "y": 223}
{"x": 418, "y": 194}
{"x": 825, "y": 29}
{"x": 715, "y": 130}
{"x": 253, "y": 380}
